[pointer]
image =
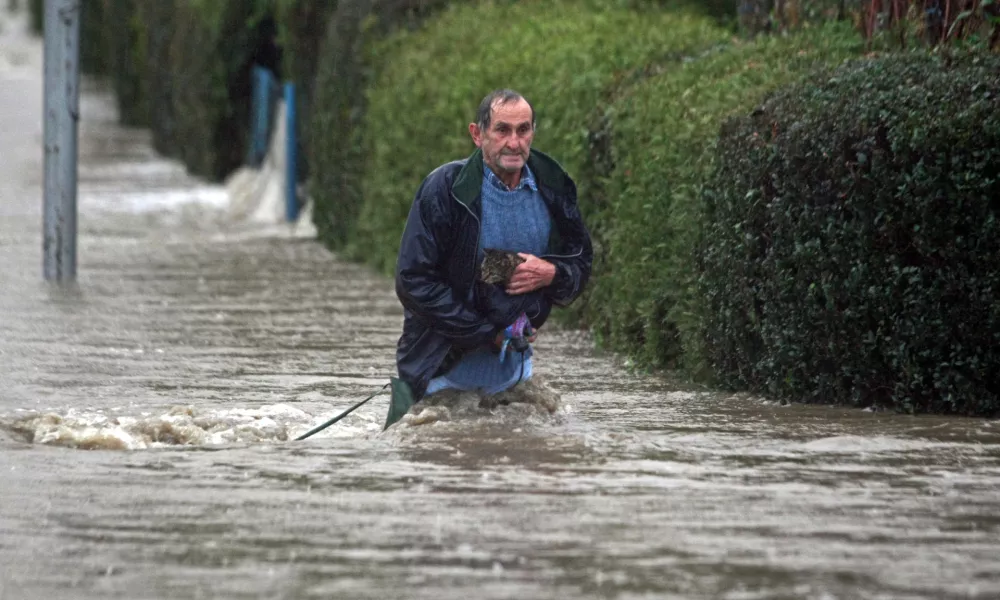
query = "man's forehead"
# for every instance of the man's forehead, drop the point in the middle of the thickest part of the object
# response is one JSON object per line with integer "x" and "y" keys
{"x": 509, "y": 112}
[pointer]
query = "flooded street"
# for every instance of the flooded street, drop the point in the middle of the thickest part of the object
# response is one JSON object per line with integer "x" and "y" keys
{"x": 146, "y": 413}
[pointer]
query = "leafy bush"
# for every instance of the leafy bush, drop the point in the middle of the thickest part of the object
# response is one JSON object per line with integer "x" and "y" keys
{"x": 154, "y": 25}
{"x": 124, "y": 47}
{"x": 884, "y": 24}
{"x": 563, "y": 55}
{"x": 852, "y": 244}
{"x": 210, "y": 71}
{"x": 93, "y": 60}
{"x": 93, "y": 57}
{"x": 779, "y": 16}
{"x": 303, "y": 27}
{"x": 723, "y": 11}
{"x": 662, "y": 130}
{"x": 343, "y": 75}
{"x": 906, "y": 22}
{"x": 196, "y": 101}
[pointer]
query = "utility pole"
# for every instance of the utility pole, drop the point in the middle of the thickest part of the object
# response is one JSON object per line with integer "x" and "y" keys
{"x": 62, "y": 116}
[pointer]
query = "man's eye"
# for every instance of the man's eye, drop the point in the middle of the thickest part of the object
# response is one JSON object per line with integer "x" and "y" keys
{"x": 523, "y": 130}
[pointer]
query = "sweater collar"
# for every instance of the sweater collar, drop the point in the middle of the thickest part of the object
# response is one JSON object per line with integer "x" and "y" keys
{"x": 527, "y": 180}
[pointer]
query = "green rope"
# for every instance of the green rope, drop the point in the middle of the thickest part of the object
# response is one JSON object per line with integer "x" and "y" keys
{"x": 341, "y": 415}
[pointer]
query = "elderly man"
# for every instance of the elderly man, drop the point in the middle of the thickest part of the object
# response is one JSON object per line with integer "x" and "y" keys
{"x": 505, "y": 196}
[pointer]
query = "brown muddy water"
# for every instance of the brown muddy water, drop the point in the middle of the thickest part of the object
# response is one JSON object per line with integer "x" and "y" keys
{"x": 146, "y": 413}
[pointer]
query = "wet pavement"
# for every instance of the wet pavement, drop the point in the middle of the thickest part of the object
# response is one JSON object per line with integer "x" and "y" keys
{"x": 146, "y": 412}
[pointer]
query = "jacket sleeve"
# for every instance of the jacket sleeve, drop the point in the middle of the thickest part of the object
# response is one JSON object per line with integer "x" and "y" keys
{"x": 573, "y": 258}
{"x": 421, "y": 282}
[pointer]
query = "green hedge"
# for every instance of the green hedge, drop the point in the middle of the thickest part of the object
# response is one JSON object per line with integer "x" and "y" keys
{"x": 124, "y": 48}
{"x": 662, "y": 131}
{"x": 93, "y": 60}
{"x": 193, "y": 90}
{"x": 155, "y": 25}
{"x": 303, "y": 25}
{"x": 211, "y": 83}
{"x": 112, "y": 42}
{"x": 36, "y": 15}
{"x": 563, "y": 55}
{"x": 335, "y": 152}
{"x": 852, "y": 247}
{"x": 722, "y": 11}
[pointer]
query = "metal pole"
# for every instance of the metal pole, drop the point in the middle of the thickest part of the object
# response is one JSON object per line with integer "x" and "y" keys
{"x": 291, "y": 156}
{"x": 62, "y": 115}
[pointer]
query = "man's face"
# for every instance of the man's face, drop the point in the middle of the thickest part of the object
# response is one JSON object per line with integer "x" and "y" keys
{"x": 507, "y": 142}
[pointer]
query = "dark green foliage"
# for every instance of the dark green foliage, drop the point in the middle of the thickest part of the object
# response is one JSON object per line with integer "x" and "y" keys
{"x": 155, "y": 26}
{"x": 335, "y": 151}
{"x": 124, "y": 48}
{"x": 780, "y": 16}
{"x": 93, "y": 60}
{"x": 192, "y": 90}
{"x": 335, "y": 155}
{"x": 723, "y": 11}
{"x": 903, "y": 23}
{"x": 210, "y": 71}
{"x": 563, "y": 55}
{"x": 656, "y": 142}
{"x": 303, "y": 27}
{"x": 852, "y": 246}
{"x": 36, "y": 14}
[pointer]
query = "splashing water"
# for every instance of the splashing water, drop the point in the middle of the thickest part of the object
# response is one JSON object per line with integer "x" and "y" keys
{"x": 181, "y": 426}
{"x": 532, "y": 403}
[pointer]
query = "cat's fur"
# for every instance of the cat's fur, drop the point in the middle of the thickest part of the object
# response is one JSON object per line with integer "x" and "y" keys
{"x": 498, "y": 266}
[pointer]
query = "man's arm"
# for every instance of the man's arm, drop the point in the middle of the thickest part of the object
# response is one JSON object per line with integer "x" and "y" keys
{"x": 421, "y": 285}
{"x": 561, "y": 277}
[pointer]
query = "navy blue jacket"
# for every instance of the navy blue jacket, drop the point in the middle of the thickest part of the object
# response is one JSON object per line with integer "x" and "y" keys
{"x": 436, "y": 271}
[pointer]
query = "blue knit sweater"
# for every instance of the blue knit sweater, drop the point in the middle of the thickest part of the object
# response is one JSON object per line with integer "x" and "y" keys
{"x": 516, "y": 221}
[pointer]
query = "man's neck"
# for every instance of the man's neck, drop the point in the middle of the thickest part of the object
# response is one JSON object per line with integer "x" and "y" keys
{"x": 511, "y": 180}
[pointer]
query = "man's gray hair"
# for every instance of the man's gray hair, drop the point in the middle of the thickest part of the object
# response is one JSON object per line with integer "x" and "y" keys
{"x": 484, "y": 116}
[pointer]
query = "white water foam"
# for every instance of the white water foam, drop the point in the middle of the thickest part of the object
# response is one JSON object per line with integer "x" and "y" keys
{"x": 169, "y": 200}
{"x": 530, "y": 404}
{"x": 180, "y": 426}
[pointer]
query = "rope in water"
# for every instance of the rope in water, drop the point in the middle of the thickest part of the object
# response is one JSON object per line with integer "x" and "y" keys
{"x": 519, "y": 330}
{"x": 341, "y": 415}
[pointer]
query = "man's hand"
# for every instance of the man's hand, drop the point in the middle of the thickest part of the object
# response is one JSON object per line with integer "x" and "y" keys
{"x": 533, "y": 274}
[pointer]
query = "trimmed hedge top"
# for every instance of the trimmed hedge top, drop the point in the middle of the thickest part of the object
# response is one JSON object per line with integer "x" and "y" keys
{"x": 662, "y": 134}
{"x": 852, "y": 248}
{"x": 336, "y": 152}
{"x": 563, "y": 55}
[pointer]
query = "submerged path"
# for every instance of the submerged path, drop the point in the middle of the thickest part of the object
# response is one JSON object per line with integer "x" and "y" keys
{"x": 193, "y": 347}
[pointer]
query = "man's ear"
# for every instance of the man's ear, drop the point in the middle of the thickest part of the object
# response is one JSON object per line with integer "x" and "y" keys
{"x": 477, "y": 135}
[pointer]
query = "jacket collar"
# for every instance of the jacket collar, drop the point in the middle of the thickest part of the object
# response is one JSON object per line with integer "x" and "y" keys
{"x": 548, "y": 174}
